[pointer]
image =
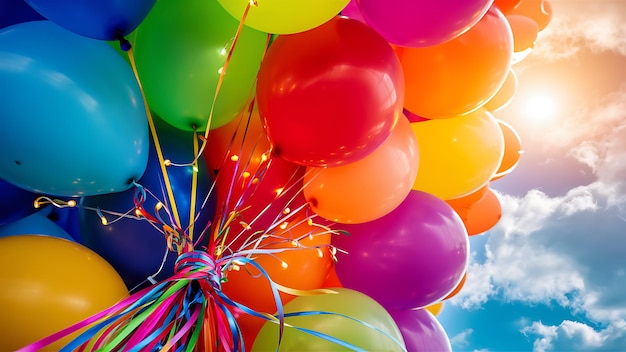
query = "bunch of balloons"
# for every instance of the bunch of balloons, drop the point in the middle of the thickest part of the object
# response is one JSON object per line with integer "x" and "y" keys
{"x": 249, "y": 174}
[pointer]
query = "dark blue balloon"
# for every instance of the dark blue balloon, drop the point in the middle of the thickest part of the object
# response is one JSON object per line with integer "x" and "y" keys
{"x": 15, "y": 202}
{"x": 133, "y": 246}
{"x": 17, "y": 11}
{"x": 98, "y": 19}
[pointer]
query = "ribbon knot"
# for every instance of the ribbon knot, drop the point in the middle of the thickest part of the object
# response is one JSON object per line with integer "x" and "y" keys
{"x": 199, "y": 265}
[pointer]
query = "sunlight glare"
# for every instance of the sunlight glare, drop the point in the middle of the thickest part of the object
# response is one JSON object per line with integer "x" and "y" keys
{"x": 540, "y": 107}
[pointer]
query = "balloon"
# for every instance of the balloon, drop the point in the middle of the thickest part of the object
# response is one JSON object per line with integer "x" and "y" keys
{"x": 133, "y": 246}
{"x": 409, "y": 258}
{"x": 259, "y": 198}
{"x": 506, "y": 5}
{"x": 505, "y": 94}
{"x": 482, "y": 215}
{"x": 243, "y": 138}
{"x": 460, "y": 75}
{"x": 458, "y": 155}
{"x": 421, "y": 330}
{"x": 412, "y": 117}
{"x": 457, "y": 289}
{"x": 524, "y": 30}
{"x": 17, "y": 11}
{"x": 435, "y": 308}
{"x": 352, "y": 10}
{"x": 36, "y": 223}
{"x": 344, "y": 302}
{"x": 512, "y": 150}
{"x": 421, "y": 23}
{"x": 180, "y": 50}
{"x": 539, "y": 10}
{"x": 16, "y": 202}
{"x": 303, "y": 264}
{"x": 49, "y": 283}
{"x": 326, "y": 110}
{"x": 284, "y": 16}
{"x": 98, "y": 19}
{"x": 358, "y": 192}
{"x": 82, "y": 101}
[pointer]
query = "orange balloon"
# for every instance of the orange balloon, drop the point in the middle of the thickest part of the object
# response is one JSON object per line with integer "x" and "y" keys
{"x": 505, "y": 94}
{"x": 462, "y": 74}
{"x": 525, "y": 31}
{"x": 468, "y": 200}
{"x": 539, "y": 11}
{"x": 512, "y": 150}
{"x": 369, "y": 188}
{"x": 481, "y": 215}
{"x": 302, "y": 265}
{"x": 48, "y": 284}
{"x": 457, "y": 289}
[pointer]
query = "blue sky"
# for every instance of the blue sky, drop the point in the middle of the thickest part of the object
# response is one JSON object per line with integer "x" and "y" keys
{"x": 550, "y": 276}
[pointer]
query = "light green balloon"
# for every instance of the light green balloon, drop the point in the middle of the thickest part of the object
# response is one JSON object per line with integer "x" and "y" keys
{"x": 179, "y": 51}
{"x": 346, "y": 302}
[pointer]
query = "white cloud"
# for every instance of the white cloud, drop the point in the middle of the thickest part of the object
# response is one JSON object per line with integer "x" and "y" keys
{"x": 576, "y": 336}
{"x": 599, "y": 27}
{"x": 460, "y": 340}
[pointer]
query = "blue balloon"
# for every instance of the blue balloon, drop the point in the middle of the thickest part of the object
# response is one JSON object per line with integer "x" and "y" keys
{"x": 17, "y": 11}
{"x": 98, "y": 19}
{"x": 73, "y": 117}
{"x": 35, "y": 224}
{"x": 15, "y": 202}
{"x": 133, "y": 246}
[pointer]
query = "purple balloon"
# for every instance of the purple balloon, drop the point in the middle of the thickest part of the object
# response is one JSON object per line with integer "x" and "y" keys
{"x": 419, "y": 23}
{"x": 410, "y": 258}
{"x": 421, "y": 330}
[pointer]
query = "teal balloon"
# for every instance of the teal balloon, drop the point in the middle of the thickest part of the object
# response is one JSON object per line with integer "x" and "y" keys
{"x": 35, "y": 224}
{"x": 73, "y": 117}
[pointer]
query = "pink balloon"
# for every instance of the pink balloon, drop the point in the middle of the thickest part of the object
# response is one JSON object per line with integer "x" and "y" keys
{"x": 352, "y": 11}
{"x": 419, "y": 23}
{"x": 410, "y": 258}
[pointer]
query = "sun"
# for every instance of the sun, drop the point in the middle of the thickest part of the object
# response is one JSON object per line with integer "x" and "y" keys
{"x": 540, "y": 106}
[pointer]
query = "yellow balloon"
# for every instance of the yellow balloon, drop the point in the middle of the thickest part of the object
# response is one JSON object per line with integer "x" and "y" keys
{"x": 435, "y": 308}
{"x": 458, "y": 155}
{"x": 284, "y": 16}
{"x": 48, "y": 284}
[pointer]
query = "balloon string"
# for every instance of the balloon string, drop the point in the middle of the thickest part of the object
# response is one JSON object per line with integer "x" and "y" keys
{"x": 194, "y": 185}
{"x": 157, "y": 144}
{"x": 221, "y": 78}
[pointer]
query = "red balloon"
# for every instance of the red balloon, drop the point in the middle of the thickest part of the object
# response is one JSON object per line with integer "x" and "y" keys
{"x": 330, "y": 95}
{"x": 506, "y": 5}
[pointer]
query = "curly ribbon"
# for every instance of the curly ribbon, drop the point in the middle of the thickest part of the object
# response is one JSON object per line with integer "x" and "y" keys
{"x": 181, "y": 312}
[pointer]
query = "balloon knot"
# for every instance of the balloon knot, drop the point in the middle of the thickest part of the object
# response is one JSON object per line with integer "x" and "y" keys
{"x": 124, "y": 43}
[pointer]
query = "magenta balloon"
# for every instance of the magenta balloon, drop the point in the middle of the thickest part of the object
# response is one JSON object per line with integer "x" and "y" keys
{"x": 421, "y": 330}
{"x": 410, "y": 258}
{"x": 352, "y": 11}
{"x": 419, "y": 23}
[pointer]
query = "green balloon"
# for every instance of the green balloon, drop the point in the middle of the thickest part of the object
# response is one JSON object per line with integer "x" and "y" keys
{"x": 181, "y": 48}
{"x": 346, "y": 302}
